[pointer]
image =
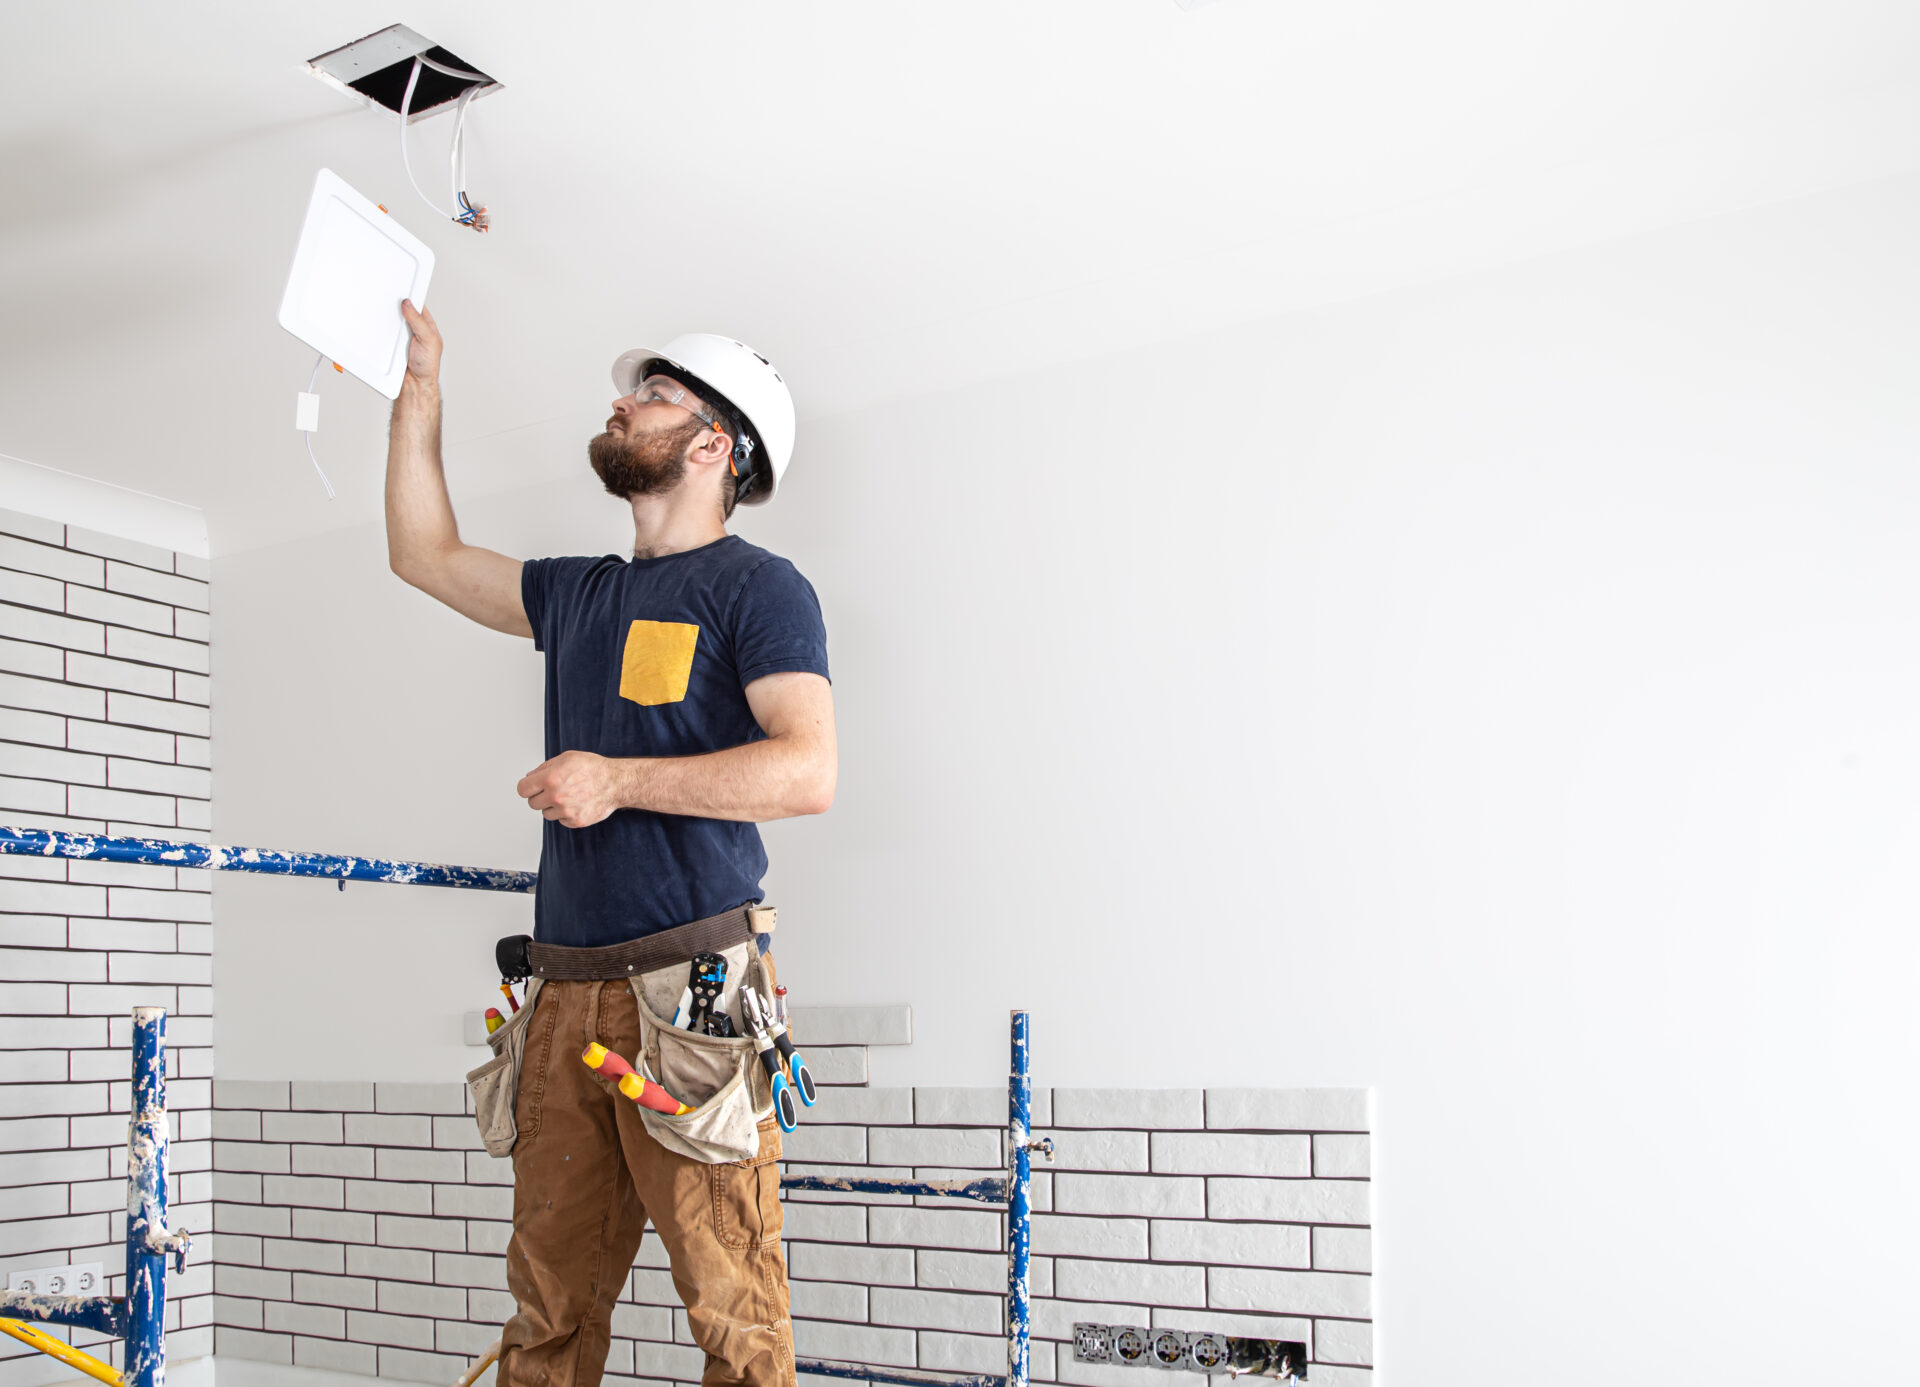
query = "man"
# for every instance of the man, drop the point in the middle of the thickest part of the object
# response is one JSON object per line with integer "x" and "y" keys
{"x": 687, "y": 699}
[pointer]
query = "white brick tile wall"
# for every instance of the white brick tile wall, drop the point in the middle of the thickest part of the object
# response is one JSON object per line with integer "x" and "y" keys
{"x": 1233, "y": 1244}
{"x": 1170, "y": 1195}
{"x": 923, "y": 1309}
{"x": 1296, "y": 1201}
{"x": 964, "y": 1353}
{"x": 970, "y": 1148}
{"x": 336, "y": 1355}
{"x": 960, "y": 1271}
{"x": 1095, "y": 1150}
{"x": 1288, "y": 1109}
{"x": 231, "y": 1341}
{"x": 1090, "y": 1237}
{"x": 1342, "y": 1156}
{"x": 410, "y": 1365}
{"x": 83, "y": 942}
{"x": 420, "y": 1098}
{"x": 1145, "y": 1282}
{"x": 830, "y": 1300}
{"x": 1144, "y": 1109}
{"x": 391, "y": 1263}
{"x": 334, "y": 1160}
{"x": 866, "y": 1266}
{"x": 1228, "y": 1229}
{"x": 854, "y": 1343}
{"x": 1053, "y": 1320}
{"x": 1305, "y": 1292}
{"x": 289, "y": 1255}
{"x": 302, "y": 1126}
{"x": 814, "y": 1143}
{"x": 387, "y": 1129}
{"x": 1342, "y": 1249}
{"x": 1344, "y": 1341}
{"x": 1222, "y": 1153}
{"x": 947, "y": 1227}
{"x": 390, "y": 1197}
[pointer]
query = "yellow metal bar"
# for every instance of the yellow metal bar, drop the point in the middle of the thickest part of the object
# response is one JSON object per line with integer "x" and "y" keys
{"x": 34, "y": 1337}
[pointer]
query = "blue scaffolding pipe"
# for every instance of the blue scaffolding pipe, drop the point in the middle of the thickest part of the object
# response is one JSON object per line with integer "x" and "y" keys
{"x": 988, "y": 1189}
{"x": 212, "y": 857}
{"x": 139, "y": 1317}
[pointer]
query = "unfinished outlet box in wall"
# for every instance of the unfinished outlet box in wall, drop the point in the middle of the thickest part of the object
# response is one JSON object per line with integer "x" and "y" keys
{"x": 375, "y": 70}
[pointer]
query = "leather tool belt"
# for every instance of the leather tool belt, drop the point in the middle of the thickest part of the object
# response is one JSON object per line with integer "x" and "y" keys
{"x": 521, "y": 957}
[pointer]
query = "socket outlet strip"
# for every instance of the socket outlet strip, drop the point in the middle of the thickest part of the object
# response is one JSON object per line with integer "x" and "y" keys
{"x": 1189, "y": 1351}
{"x": 80, "y": 1278}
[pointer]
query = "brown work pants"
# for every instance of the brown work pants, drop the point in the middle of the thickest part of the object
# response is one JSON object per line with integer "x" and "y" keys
{"x": 587, "y": 1178}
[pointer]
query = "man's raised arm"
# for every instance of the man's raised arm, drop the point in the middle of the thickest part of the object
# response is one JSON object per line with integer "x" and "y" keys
{"x": 423, "y": 539}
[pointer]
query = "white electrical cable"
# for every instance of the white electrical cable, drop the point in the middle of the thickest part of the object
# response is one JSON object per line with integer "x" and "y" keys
{"x": 425, "y": 61}
{"x": 406, "y": 104}
{"x": 308, "y": 433}
{"x": 457, "y": 152}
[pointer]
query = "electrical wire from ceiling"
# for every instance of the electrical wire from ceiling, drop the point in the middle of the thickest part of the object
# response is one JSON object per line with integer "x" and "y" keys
{"x": 469, "y": 215}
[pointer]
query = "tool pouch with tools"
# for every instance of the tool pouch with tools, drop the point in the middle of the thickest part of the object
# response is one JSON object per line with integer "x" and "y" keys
{"x": 496, "y": 1083}
{"x": 720, "y": 1078}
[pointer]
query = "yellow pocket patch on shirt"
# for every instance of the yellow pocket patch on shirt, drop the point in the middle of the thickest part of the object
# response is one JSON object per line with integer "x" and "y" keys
{"x": 657, "y": 662}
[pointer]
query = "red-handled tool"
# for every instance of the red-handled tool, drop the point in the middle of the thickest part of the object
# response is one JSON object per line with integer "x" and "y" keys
{"x": 645, "y": 1092}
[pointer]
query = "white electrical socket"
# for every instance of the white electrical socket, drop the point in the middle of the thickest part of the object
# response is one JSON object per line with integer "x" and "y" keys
{"x": 1168, "y": 1349}
{"x": 78, "y": 1278}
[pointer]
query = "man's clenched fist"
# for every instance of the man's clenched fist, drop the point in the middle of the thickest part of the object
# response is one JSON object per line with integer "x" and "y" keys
{"x": 575, "y": 788}
{"x": 423, "y": 352}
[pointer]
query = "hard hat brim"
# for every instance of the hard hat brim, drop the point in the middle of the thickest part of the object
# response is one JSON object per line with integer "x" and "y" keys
{"x": 626, "y": 367}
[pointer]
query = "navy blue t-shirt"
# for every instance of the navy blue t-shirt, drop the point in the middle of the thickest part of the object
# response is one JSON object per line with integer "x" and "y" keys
{"x": 652, "y": 657}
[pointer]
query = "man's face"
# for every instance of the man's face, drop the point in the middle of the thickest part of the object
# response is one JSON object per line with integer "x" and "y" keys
{"x": 645, "y": 447}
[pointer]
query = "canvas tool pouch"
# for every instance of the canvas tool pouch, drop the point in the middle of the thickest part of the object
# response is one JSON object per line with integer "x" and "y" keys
{"x": 720, "y": 1079}
{"x": 496, "y": 1083}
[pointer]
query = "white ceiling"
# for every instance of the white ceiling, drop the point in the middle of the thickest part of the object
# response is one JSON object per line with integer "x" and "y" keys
{"x": 887, "y": 198}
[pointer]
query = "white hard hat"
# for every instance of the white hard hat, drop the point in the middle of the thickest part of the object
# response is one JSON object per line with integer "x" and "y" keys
{"x": 748, "y": 383}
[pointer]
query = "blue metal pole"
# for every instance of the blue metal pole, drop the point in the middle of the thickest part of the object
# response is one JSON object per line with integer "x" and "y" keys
{"x": 988, "y": 1189}
{"x": 146, "y": 1360}
{"x": 211, "y": 856}
{"x": 1020, "y": 1205}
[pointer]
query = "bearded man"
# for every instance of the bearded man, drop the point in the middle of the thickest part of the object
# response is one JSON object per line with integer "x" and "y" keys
{"x": 687, "y": 699}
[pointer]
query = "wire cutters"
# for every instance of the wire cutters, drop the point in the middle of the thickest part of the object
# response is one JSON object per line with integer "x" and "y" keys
{"x": 784, "y": 1107}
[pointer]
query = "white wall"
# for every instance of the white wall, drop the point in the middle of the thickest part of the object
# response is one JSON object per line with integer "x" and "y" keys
{"x": 1499, "y": 694}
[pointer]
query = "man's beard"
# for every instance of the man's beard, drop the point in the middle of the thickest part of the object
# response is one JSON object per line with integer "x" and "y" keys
{"x": 644, "y": 466}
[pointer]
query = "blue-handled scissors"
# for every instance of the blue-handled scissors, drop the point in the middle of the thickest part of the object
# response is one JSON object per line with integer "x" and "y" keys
{"x": 783, "y": 1107}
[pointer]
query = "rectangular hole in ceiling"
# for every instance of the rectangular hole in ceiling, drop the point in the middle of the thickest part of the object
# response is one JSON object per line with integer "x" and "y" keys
{"x": 376, "y": 69}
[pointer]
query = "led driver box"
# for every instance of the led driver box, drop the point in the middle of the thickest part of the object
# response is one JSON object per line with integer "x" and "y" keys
{"x": 353, "y": 265}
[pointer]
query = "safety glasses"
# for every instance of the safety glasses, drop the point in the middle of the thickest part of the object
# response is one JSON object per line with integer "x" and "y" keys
{"x": 669, "y": 391}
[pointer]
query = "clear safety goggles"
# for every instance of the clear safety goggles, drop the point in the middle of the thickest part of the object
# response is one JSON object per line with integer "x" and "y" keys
{"x": 669, "y": 391}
